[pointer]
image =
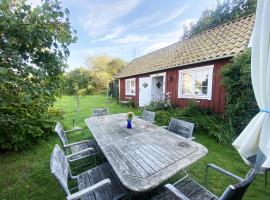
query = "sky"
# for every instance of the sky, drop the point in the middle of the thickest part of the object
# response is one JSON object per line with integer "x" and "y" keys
{"x": 127, "y": 28}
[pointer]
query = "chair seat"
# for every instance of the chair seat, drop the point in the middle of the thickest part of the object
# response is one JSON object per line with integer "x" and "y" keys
{"x": 191, "y": 189}
{"x": 97, "y": 174}
{"x": 80, "y": 147}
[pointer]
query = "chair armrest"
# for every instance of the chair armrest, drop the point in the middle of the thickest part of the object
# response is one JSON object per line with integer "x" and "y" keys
{"x": 176, "y": 193}
{"x": 79, "y": 152}
{"x": 79, "y": 194}
{"x": 221, "y": 170}
{"x": 76, "y": 143}
{"x": 74, "y": 129}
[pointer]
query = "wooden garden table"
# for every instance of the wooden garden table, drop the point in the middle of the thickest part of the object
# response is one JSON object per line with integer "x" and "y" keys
{"x": 146, "y": 155}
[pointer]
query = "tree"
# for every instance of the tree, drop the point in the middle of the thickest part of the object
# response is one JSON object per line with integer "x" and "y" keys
{"x": 103, "y": 68}
{"x": 78, "y": 81}
{"x": 33, "y": 49}
{"x": 226, "y": 11}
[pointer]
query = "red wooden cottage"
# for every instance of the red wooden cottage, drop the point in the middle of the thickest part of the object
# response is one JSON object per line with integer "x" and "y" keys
{"x": 188, "y": 69}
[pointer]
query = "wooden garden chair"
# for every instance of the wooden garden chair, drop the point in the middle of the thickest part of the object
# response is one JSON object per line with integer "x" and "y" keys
{"x": 148, "y": 116}
{"x": 181, "y": 127}
{"x": 99, "y": 183}
{"x": 189, "y": 189}
{"x": 76, "y": 147}
{"x": 100, "y": 112}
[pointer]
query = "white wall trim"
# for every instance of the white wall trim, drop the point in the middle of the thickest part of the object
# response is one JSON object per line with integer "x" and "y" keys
{"x": 192, "y": 70}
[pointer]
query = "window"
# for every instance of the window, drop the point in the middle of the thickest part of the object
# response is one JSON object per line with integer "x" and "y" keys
{"x": 130, "y": 86}
{"x": 196, "y": 83}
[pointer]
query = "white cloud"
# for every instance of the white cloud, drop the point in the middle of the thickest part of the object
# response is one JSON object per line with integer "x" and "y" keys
{"x": 102, "y": 15}
{"x": 155, "y": 46}
{"x": 172, "y": 16}
{"x": 132, "y": 39}
{"x": 188, "y": 22}
{"x": 159, "y": 41}
{"x": 116, "y": 32}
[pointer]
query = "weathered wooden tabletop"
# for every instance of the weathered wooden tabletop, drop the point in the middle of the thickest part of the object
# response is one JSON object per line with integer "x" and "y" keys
{"x": 146, "y": 155}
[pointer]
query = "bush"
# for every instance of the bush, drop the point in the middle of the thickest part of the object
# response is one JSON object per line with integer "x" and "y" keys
{"x": 241, "y": 105}
{"x": 24, "y": 126}
{"x": 131, "y": 103}
{"x": 205, "y": 121}
{"x": 160, "y": 104}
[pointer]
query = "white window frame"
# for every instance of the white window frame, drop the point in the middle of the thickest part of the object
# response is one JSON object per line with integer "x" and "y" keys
{"x": 128, "y": 92}
{"x": 192, "y": 71}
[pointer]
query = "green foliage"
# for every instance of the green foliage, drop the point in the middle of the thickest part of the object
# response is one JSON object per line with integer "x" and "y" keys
{"x": 205, "y": 121}
{"x": 103, "y": 69}
{"x": 241, "y": 105}
{"x": 160, "y": 104}
{"x": 225, "y": 11}
{"x": 78, "y": 81}
{"x": 114, "y": 89}
{"x": 33, "y": 47}
{"x": 131, "y": 103}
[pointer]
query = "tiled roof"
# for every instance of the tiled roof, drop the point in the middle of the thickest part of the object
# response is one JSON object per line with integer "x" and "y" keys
{"x": 223, "y": 41}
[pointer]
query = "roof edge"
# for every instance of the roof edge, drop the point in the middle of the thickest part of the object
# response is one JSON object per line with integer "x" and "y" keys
{"x": 217, "y": 58}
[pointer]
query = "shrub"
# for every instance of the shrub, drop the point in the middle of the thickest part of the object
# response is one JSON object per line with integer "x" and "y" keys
{"x": 241, "y": 105}
{"x": 26, "y": 125}
{"x": 131, "y": 103}
{"x": 160, "y": 104}
{"x": 205, "y": 121}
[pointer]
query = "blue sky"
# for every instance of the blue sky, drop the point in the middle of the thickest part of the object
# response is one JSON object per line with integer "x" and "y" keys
{"x": 128, "y": 28}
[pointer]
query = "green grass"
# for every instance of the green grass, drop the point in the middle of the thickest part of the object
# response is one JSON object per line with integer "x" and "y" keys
{"x": 26, "y": 174}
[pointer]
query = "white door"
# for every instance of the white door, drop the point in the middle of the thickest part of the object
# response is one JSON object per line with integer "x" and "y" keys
{"x": 144, "y": 91}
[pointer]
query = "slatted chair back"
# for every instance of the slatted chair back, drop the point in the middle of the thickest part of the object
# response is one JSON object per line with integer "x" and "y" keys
{"x": 61, "y": 133}
{"x": 60, "y": 168}
{"x": 100, "y": 112}
{"x": 148, "y": 115}
{"x": 237, "y": 191}
{"x": 181, "y": 127}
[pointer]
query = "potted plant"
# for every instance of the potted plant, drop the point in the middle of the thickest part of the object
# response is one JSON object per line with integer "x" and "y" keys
{"x": 129, "y": 119}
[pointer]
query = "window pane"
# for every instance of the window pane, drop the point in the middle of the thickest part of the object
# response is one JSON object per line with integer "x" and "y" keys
{"x": 205, "y": 79}
{"x": 201, "y": 82}
{"x": 187, "y": 84}
{"x": 204, "y": 90}
{"x": 128, "y": 86}
{"x": 132, "y": 83}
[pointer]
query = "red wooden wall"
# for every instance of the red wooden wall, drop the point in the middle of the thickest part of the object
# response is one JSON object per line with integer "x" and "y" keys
{"x": 217, "y": 103}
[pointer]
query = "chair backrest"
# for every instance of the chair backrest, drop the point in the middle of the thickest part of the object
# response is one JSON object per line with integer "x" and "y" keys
{"x": 61, "y": 133}
{"x": 100, "y": 112}
{"x": 148, "y": 115}
{"x": 60, "y": 168}
{"x": 181, "y": 127}
{"x": 237, "y": 191}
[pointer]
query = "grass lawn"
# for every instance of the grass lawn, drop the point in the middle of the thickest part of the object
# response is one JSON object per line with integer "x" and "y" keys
{"x": 26, "y": 174}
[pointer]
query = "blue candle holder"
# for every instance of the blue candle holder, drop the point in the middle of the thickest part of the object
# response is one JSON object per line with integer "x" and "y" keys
{"x": 129, "y": 123}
